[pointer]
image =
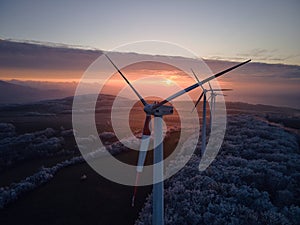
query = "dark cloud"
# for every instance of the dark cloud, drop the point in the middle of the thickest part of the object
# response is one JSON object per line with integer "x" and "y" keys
{"x": 24, "y": 55}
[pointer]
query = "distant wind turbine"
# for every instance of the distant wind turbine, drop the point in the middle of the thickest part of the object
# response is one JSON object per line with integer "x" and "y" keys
{"x": 213, "y": 95}
{"x": 158, "y": 110}
{"x": 203, "y": 94}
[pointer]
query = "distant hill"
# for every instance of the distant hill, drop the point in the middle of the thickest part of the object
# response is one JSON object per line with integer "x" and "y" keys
{"x": 14, "y": 93}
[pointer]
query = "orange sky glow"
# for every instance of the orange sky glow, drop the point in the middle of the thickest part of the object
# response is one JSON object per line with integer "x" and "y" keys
{"x": 159, "y": 80}
{"x": 252, "y": 83}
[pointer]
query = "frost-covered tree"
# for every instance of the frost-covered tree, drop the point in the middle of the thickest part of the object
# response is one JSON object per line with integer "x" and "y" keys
{"x": 254, "y": 180}
{"x": 15, "y": 148}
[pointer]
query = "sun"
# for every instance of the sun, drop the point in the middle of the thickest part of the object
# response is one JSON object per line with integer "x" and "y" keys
{"x": 168, "y": 82}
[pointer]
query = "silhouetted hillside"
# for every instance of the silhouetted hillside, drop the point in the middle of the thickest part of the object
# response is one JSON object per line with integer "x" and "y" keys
{"x": 14, "y": 93}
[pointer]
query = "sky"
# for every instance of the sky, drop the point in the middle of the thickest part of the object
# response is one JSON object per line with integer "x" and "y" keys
{"x": 60, "y": 68}
{"x": 266, "y": 31}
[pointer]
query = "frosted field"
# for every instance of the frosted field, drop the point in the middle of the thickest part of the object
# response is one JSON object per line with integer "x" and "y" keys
{"x": 254, "y": 179}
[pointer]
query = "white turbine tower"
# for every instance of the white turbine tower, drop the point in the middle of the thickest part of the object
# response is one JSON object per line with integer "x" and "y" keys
{"x": 203, "y": 94}
{"x": 158, "y": 110}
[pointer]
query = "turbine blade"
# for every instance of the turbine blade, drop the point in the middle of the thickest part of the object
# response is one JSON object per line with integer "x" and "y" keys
{"x": 195, "y": 76}
{"x": 127, "y": 81}
{"x": 144, "y": 144}
{"x": 223, "y": 89}
{"x": 142, "y": 154}
{"x": 135, "y": 189}
{"x": 192, "y": 87}
{"x": 197, "y": 79}
{"x": 224, "y": 71}
{"x": 199, "y": 99}
{"x": 210, "y": 87}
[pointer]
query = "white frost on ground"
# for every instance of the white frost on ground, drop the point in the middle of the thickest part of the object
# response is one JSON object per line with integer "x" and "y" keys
{"x": 15, "y": 148}
{"x": 254, "y": 180}
{"x": 15, "y": 190}
{"x": 12, "y": 192}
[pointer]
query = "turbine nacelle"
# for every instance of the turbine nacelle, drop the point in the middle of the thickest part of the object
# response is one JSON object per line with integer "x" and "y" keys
{"x": 158, "y": 111}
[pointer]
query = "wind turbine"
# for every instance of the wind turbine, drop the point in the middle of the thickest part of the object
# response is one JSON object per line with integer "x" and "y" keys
{"x": 203, "y": 94}
{"x": 213, "y": 95}
{"x": 158, "y": 110}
